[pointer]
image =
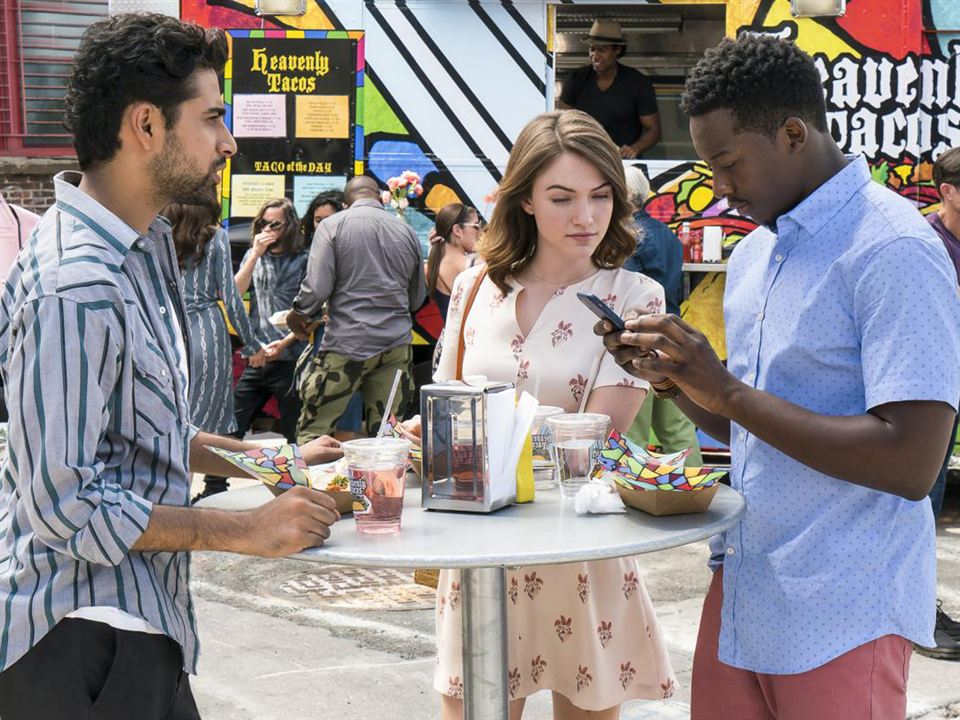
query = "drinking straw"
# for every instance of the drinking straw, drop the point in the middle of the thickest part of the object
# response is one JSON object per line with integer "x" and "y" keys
{"x": 591, "y": 379}
{"x": 388, "y": 409}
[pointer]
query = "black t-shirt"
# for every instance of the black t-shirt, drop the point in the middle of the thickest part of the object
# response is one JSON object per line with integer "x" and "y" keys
{"x": 619, "y": 107}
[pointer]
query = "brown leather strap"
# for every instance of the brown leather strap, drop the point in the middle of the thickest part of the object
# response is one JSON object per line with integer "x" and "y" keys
{"x": 463, "y": 320}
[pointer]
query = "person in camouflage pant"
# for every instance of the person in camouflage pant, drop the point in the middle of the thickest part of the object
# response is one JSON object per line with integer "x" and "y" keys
{"x": 329, "y": 380}
{"x": 366, "y": 265}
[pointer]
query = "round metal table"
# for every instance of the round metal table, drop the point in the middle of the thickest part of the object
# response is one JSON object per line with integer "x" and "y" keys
{"x": 544, "y": 532}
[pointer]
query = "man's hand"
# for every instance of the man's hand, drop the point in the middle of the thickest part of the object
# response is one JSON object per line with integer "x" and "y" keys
{"x": 660, "y": 347}
{"x": 320, "y": 450}
{"x": 300, "y": 518}
{"x": 263, "y": 240}
{"x": 299, "y": 324}
{"x": 274, "y": 349}
{"x": 258, "y": 359}
{"x": 615, "y": 345}
{"x": 628, "y": 152}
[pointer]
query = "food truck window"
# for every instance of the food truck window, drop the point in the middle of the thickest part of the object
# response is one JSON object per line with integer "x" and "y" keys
{"x": 664, "y": 42}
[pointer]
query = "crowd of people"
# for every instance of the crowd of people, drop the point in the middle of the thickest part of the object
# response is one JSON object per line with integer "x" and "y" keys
{"x": 117, "y": 358}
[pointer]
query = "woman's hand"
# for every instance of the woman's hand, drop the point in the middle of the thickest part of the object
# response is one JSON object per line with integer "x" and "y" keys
{"x": 411, "y": 430}
{"x": 320, "y": 450}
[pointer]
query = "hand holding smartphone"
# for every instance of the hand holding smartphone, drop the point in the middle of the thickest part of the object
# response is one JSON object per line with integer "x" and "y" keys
{"x": 603, "y": 311}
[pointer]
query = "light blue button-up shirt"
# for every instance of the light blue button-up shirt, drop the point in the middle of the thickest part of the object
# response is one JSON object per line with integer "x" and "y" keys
{"x": 849, "y": 304}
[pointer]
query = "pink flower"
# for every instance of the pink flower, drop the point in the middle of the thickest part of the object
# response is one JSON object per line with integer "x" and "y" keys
{"x": 410, "y": 176}
{"x": 514, "y": 681}
{"x": 563, "y": 627}
{"x": 402, "y": 181}
{"x": 605, "y": 632}
{"x": 393, "y": 183}
{"x": 385, "y": 197}
{"x": 418, "y": 190}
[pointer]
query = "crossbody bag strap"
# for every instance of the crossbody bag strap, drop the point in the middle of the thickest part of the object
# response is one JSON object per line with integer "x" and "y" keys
{"x": 461, "y": 343}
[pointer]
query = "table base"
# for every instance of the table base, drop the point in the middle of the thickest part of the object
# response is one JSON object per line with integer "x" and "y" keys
{"x": 484, "y": 643}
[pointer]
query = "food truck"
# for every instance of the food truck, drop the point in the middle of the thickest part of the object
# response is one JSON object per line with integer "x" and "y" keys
{"x": 443, "y": 86}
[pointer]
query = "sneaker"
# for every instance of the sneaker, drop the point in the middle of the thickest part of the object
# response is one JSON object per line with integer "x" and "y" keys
{"x": 949, "y": 625}
{"x": 208, "y": 490}
{"x": 945, "y": 648}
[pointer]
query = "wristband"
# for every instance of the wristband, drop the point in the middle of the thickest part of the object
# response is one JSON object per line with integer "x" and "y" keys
{"x": 665, "y": 390}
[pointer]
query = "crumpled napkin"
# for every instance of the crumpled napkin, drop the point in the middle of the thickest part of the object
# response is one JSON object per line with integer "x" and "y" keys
{"x": 598, "y": 496}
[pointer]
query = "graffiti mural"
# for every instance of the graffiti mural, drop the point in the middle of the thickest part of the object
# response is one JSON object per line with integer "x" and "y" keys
{"x": 450, "y": 83}
{"x": 892, "y": 96}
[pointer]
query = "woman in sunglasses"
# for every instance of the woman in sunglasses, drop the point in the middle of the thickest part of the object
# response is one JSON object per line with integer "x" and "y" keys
{"x": 452, "y": 245}
{"x": 272, "y": 270}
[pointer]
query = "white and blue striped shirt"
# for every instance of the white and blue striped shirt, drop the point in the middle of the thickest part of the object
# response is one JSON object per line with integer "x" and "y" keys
{"x": 92, "y": 364}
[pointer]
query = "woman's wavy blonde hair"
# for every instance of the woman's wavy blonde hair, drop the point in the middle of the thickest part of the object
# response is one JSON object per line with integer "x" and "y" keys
{"x": 510, "y": 240}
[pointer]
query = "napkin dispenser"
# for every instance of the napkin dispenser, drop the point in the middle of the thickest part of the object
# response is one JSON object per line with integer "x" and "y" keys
{"x": 471, "y": 442}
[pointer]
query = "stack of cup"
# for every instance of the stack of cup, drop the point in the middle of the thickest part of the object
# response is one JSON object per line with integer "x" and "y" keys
{"x": 577, "y": 439}
{"x": 544, "y": 469}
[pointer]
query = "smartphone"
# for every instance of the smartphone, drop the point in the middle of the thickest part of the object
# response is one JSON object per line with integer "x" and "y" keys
{"x": 601, "y": 310}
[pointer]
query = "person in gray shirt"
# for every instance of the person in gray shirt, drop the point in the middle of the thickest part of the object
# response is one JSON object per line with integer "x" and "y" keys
{"x": 366, "y": 265}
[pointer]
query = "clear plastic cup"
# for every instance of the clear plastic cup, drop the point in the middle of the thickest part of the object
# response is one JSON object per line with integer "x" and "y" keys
{"x": 577, "y": 439}
{"x": 544, "y": 469}
{"x": 377, "y": 469}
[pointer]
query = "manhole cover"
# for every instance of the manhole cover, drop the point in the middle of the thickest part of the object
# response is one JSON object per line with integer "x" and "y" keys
{"x": 359, "y": 588}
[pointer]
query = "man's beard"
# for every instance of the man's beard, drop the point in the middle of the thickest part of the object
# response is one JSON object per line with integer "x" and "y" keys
{"x": 175, "y": 181}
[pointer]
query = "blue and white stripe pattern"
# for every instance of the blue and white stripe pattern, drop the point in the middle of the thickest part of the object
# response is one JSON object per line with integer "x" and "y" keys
{"x": 91, "y": 362}
{"x": 206, "y": 283}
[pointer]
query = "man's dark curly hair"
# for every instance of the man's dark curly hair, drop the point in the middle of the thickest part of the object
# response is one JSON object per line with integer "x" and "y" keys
{"x": 137, "y": 57}
{"x": 761, "y": 79}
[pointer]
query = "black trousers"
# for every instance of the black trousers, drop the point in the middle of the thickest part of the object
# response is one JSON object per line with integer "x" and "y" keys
{"x": 85, "y": 670}
{"x": 255, "y": 387}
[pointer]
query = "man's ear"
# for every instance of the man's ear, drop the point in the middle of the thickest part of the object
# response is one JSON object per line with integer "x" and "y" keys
{"x": 795, "y": 133}
{"x": 143, "y": 124}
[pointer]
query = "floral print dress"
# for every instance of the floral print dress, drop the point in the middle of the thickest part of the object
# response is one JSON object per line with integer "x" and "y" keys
{"x": 586, "y": 630}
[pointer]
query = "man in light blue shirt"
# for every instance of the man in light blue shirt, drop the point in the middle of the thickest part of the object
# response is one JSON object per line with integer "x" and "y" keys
{"x": 842, "y": 317}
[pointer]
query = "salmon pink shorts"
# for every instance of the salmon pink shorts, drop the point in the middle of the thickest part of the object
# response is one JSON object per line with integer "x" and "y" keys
{"x": 866, "y": 683}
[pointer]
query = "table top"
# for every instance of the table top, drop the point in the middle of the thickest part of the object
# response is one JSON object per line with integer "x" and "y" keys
{"x": 544, "y": 532}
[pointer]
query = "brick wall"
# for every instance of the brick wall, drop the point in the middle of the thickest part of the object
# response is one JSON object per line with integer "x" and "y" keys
{"x": 28, "y": 182}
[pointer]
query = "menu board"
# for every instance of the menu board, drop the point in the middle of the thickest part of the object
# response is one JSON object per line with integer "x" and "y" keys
{"x": 294, "y": 102}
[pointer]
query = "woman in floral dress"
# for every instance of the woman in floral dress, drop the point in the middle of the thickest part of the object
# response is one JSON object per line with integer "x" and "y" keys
{"x": 587, "y": 631}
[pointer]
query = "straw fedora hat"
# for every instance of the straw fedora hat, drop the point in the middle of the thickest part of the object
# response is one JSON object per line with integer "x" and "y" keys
{"x": 605, "y": 32}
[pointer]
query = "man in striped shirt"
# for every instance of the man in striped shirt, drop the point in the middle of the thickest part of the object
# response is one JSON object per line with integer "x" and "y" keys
{"x": 94, "y": 497}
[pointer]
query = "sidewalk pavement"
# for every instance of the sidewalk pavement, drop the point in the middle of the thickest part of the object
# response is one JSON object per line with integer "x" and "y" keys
{"x": 290, "y": 640}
